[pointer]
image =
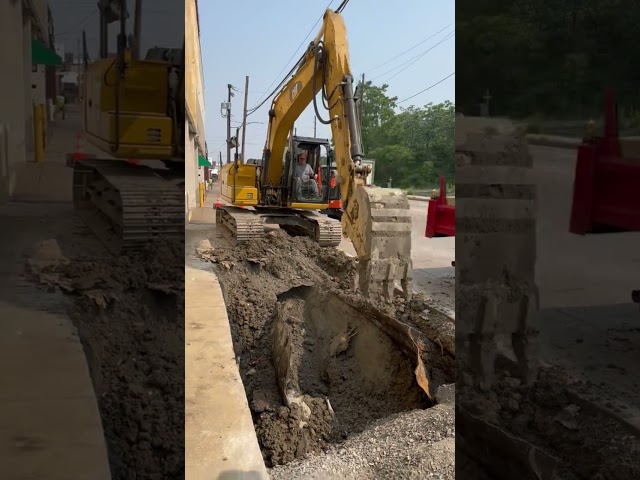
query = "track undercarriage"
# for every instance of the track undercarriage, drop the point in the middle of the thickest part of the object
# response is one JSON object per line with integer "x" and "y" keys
{"x": 245, "y": 225}
{"x": 128, "y": 206}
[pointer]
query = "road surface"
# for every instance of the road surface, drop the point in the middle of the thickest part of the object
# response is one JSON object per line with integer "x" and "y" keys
{"x": 587, "y": 322}
{"x": 575, "y": 270}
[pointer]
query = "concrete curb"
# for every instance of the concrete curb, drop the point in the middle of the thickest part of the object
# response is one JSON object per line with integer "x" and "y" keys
{"x": 219, "y": 432}
{"x": 554, "y": 141}
{"x": 418, "y": 199}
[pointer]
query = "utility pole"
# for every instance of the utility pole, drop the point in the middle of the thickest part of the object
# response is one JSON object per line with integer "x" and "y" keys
{"x": 362, "y": 115}
{"x": 137, "y": 29}
{"x": 230, "y": 94}
{"x": 362, "y": 103}
{"x": 244, "y": 114}
{"x": 85, "y": 56}
{"x": 484, "y": 106}
{"x": 314, "y": 126}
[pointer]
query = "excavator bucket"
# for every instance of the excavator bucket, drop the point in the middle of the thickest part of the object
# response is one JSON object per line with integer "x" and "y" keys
{"x": 378, "y": 221}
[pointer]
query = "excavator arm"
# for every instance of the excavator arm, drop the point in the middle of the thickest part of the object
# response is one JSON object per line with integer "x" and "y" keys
{"x": 376, "y": 220}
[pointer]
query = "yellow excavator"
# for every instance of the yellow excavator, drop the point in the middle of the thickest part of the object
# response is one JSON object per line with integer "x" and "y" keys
{"x": 134, "y": 112}
{"x": 376, "y": 220}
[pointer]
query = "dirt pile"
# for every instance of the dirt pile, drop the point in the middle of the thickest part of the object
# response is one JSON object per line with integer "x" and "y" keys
{"x": 346, "y": 371}
{"x": 582, "y": 440}
{"x": 129, "y": 312}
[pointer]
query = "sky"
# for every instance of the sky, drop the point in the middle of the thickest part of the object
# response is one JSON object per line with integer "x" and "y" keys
{"x": 159, "y": 27}
{"x": 257, "y": 37}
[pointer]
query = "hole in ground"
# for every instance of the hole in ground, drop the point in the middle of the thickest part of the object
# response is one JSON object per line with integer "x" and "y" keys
{"x": 345, "y": 373}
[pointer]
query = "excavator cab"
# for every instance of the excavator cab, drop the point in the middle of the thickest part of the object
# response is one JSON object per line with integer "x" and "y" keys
{"x": 307, "y": 173}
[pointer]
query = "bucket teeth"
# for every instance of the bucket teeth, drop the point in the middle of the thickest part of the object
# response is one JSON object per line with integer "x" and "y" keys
{"x": 380, "y": 278}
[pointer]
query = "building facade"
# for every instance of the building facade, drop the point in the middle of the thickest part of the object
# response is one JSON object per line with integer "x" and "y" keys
{"x": 26, "y": 79}
{"x": 195, "y": 146}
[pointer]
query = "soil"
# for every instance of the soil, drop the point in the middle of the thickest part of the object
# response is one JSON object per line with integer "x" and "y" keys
{"x": 129, "y": 312}
{"x": 348, "y": 373}
{"x": 588, "y": 442}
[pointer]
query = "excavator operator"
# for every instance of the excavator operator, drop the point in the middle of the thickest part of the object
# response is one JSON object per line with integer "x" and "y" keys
{"x": 304, "y": 176}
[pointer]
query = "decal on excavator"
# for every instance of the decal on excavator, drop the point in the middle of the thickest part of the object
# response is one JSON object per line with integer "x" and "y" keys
{"x": 295, "y": 90}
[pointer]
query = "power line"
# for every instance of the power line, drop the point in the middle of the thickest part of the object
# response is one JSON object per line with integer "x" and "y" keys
{"x": 411, "y": 61}
{"x": 292, "y": 56}
{"x": 428, "y": 88}
{"x": 407, "y": 51}
{"x": 340, "y": 9}
{"x": 78, "y": 26}
{"x": 398, "y": 73}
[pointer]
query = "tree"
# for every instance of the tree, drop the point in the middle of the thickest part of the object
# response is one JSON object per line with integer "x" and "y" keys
{"x": 377, "y": 111}
{"x": 415, "y": 146}
{"x": 552, "y": 58}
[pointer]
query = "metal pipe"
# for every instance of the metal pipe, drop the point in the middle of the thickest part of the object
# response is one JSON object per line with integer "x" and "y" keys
{"x": 137, "y": 30}
{"x": 122, "y": 38}
{"x": 244, "y": 115}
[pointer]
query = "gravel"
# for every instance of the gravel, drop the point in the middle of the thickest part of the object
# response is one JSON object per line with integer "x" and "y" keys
{"x": 411, "y": 445}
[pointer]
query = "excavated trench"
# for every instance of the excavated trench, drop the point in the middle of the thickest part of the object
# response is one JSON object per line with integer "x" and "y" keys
{"x": 316, "y": 366}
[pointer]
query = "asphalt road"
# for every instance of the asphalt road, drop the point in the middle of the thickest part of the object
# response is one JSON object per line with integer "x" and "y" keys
{"x": 575, "y": 270}
{"x": 587, "y": 323}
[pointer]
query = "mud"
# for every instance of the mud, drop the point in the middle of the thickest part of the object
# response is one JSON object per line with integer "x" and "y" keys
{"x": 129, "y": 312}
{"x": 348, "y": 373}
{"x": 587, "y": 442}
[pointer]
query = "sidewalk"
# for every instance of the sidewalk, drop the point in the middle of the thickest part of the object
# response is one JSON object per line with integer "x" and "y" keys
{"x": 50, "y": 425}
{"x": 51, "y": 180}
{"x": 220, "y": 440}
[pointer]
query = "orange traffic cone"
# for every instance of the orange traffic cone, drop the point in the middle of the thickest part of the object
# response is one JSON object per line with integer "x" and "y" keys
{"x": 218, "y": 203}
{"x": 79, "y": 154}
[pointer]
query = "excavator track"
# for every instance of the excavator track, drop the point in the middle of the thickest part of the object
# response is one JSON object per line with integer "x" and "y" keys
{"x": 244, "y": 225}
{"x": 328, "y": 231}
{"x": 127, "y": 206}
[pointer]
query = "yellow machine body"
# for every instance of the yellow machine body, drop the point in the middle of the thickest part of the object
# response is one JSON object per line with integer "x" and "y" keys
{"x": 146, "y": 131}
{"x": 238, "y": 185}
